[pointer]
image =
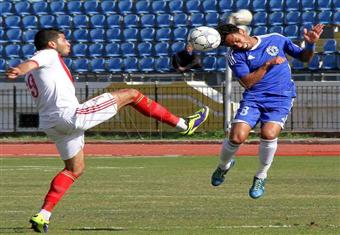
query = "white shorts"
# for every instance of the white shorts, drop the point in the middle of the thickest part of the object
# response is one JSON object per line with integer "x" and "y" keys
{"x": 68, "y": 133}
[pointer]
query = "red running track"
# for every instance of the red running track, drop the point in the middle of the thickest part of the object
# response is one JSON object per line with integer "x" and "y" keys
{"x": 164, "y": 149}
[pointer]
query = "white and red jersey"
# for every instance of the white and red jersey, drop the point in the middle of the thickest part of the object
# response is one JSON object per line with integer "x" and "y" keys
{"x": 52, "y": 88}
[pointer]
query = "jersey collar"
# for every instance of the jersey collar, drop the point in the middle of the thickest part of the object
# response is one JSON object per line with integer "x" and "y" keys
{"x": 257, "y": 44}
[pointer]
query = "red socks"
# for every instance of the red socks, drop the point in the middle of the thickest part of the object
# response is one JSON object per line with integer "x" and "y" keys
{"x": 59, "y": 185}
{"x": 152, "y": 109}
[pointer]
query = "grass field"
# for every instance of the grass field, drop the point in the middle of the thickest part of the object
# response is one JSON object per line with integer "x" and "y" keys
{"x": 172, "y": 195}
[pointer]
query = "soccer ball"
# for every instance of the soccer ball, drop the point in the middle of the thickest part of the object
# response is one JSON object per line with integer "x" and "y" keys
{"x": 204, "y": 38}
{"x": 242, "y": 17}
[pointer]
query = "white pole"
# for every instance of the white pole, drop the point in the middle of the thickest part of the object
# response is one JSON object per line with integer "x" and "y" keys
{"x": 227, "y": 100}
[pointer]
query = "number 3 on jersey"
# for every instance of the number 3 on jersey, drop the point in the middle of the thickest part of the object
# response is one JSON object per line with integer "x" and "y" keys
{"x": 32, "y": 86}
{"x": 244, "y": 111}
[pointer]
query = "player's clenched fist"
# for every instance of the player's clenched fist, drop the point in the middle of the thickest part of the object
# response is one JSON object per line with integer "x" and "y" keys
{"x": 13, "y": 73}
{"x": 275, "y": 60}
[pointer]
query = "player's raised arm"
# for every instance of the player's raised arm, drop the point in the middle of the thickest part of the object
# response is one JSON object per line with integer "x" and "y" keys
{"x": 21, "y": 69}
{"x": 311, "y": 37}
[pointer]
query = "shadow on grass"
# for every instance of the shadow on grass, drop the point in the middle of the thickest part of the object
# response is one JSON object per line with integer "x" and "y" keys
{"x": 98, "y": 229}
{"x": 6, "y": 230}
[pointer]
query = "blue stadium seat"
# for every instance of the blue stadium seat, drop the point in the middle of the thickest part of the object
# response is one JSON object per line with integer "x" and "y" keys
{"x": 276, "y": 5}
{"x": 2, "y": 65}
{"x": 68, "y": 62}
{"x": 96, "y": 49}
{"x": 143, "y": 7}
{"x": 112, "y": 49}
{"x": 108, "y": 7}
{"x": 147, "y": 34}
{"x": 74, "y": 7}
{"x": 193, "y": 6}
{"x": 80, "y": 65}
{"x": 259, "y": 5}
{"x": 329, "y": 62}
{"x": 47, "y": 21}
{"x": 28, "y": 36}
{"x": 14, "y": 35}
{"x": 292, "y": 5}
{"x": 97, "y": 21}
{"x": 308, "y": 17}
{"x": 276, "y": 18}
{"x": 308, "y": 5}
{"x": 336, "y": 17}
{"x": 114, "y": 65}
{"x": 276, "y": 29}
{"x": 68, "y": 34}
{"x": 91, "y": 7}
{"x": 2, "y": 37}
{"x": 260, "y": 30}
{"x": 292, "y": 17}
{"x": 125, "y": 6}
{"x": 176, "y": 6}
{"x": 146, "y": 64}
{"x": 148, "y": 20}
{"x": 13, "y": 62}
{"x": 225, "y": 6}
{"x": 13, "y": 51}
{"x": 177, "y": 47}
{"x": 80, "y": 50}
{"x": 113, "y": 35}
{"x": 213, "y": 52}
{"x": 259, "y": 18}
{"x": 221, "y": 64}
{"x": 130, "y": 34}
{"x": 180, "y": 19}
{"x": 338, "y": 61}
{"x": 23, "y": 8}
{"x": 1, "y": 24}
{"x": 162, "y": 49}
{"x": 209, "y": 6}
{"x": 113, "y": 21}
{"x": 291, "y": 31}
{"x": 222, "y": 51}
{"x": 64, "y": 21}
{"x": 159, "y": 7}
{"x": 80, "y": 21}
{"x": 97, "y": 35}
{"x": 325, "y": 17}
{"x": 144, "y": 49}
{"x": 197, "y": 19}
{"x": 98, "y": 65}
{"x": 336, "y": 4}
{"x": 212, "y": 19}
{"x": 6, "y": 8}
{"x": 297, "y": 64}
{"x": 81, "y": 35}
{"x": 314, "y": 64}
{"x": 41, "y": 8}
{"x": 163, "y": 20}
{"x": 180, "y": 34}
{"x": 128, "y": 49}
{"x": 209, "y": 63}
{"x": 130, "y": 20}
{"x": 162, "y": 64}
{"x": 130, "y": 64}
{"x": 27, "y": 50}
{"x": 57, "y": 7}
{"x": 163, "y": 34}
{"x": 324, "y": 5}
{"x": 12, "y": 22}
{"x": 242, "y": 4}
{"x": 329, "y": 46}
{"x": 29, "y": 22}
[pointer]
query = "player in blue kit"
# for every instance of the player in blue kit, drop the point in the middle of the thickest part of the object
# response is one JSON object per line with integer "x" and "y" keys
{"x": 261, "y": 67}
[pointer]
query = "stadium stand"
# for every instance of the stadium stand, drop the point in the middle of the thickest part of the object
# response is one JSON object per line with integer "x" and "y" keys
{"x": 144, "y": 49}
{"x": 108, "y": 7}
{"x": 146, "y": 64}
{"x": 98, "y": 65}
{"x": 114, "y": 65}
{"x": 58, "y": 7}
{"x": 259, "y": 5}
{"x": 143, "y": 7}
{"x": 130, "y": 64}
{"x": 6, "y": 8}
{"x": 2, "y": 65}
{"x": 91, "y": 7}
{"x": 176, "y": 6}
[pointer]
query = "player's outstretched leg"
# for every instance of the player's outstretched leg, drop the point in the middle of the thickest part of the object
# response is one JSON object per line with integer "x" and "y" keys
{"x": 195, "y": 120}
{"x": 257, "y": 189}
{"x": 218, "y": 176}
{"x": 39, "y": 224}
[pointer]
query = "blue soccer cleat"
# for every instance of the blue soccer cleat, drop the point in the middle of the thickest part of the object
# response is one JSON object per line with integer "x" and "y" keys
{"x": 195, "y": 120}
{"x": 39, "y": 224}
{"x": 217, "y": 177}
{"x": 257, "y": 189}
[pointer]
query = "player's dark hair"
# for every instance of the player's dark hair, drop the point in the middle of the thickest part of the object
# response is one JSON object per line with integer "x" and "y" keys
{"x": 226, "y": 29}
{"x": 43, "y": 36}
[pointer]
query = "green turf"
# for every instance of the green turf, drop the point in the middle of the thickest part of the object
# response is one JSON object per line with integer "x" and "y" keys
{"x": 169, "y": 195}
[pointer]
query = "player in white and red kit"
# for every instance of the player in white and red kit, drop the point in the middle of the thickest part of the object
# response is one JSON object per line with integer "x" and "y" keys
{"x": 64, "y": 120}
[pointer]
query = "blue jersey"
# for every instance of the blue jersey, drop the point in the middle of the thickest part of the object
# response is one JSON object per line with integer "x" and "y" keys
{"x": 277, "y": 80}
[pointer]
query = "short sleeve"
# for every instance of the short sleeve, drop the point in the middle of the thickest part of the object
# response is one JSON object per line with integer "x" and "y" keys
{"x": 237, "y": 64}
{"x": 44, "y": 57}
{"x": 292, "y": 49}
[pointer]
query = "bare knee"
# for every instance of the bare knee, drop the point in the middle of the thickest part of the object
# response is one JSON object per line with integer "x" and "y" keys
{"x": 77, "y": 170}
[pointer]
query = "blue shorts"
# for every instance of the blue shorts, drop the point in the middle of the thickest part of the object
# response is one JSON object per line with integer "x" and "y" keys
{"x": 269, "y": 109}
